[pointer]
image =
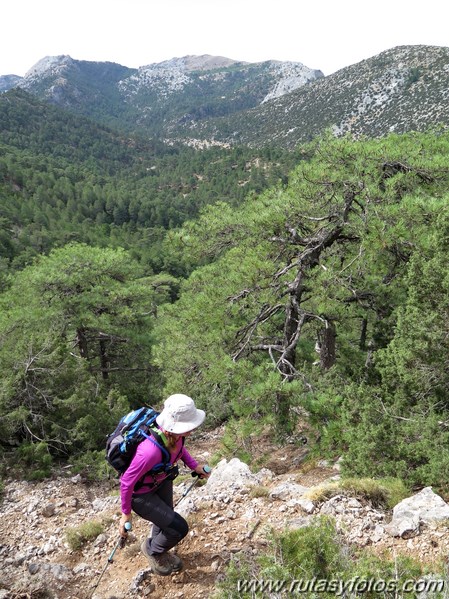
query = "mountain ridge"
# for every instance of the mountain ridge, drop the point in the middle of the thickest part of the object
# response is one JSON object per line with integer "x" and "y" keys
{"x": 158, "y": 95}
{"x": 399, "y": 90}
{"x": 211, "y": 100}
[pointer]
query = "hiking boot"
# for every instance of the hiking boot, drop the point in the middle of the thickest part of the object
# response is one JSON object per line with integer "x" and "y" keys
{"x": 161, "y": 563}
{"x": 175, "y": 561}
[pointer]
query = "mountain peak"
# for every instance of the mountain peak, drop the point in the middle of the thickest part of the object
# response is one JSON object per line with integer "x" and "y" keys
{"x": 205, "y": 62}
{"x": 49, "y": 65}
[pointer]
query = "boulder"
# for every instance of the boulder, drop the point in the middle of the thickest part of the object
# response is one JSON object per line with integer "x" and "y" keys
{"x": 425, "y": 507}
{"x": 288, "y": 490}
{"x": 234, "y": 474}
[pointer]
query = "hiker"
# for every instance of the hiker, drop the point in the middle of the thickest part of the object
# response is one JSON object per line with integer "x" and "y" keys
{"x": 150, "y": 495}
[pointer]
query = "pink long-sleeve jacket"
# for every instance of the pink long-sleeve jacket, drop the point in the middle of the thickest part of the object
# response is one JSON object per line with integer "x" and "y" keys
{"x": 147, "y": 456}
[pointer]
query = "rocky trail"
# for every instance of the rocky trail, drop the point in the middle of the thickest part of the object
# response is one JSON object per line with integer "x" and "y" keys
{"x": 233, "y": 513}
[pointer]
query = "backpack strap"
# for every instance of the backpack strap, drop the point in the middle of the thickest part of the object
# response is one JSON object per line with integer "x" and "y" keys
{"x": 159, "y": 441}
{"x": 158, "y": 438}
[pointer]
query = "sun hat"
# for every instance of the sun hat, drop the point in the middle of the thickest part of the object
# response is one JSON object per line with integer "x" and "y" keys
{"x": 180, "y": 415}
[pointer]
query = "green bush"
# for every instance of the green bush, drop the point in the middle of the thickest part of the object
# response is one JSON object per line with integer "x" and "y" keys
{"x": 35, "y": 460}
{"x": 306, "y": 552}
{"x": 315, "y": 562}
{"x": 93, "y": 466}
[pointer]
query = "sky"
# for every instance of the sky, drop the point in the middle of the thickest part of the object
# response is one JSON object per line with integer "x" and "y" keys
{"x": 321, "y": 34}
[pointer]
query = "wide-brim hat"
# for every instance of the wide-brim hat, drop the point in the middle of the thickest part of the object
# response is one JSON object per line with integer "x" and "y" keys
{"x": 180, "y": 415}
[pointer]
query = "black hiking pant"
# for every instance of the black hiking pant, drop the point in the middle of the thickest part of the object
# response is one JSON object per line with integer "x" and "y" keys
{"x": 157, "y": 507}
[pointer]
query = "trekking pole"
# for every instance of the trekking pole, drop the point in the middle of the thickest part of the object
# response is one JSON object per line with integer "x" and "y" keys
{"x": 120, "y": 543}
{"x": 198, "y": 476}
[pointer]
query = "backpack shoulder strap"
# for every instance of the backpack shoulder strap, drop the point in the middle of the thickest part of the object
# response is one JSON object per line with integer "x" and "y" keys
{"x": 159, "y": 440}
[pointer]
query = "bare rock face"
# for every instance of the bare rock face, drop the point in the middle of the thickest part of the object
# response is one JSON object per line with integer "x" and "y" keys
{"x": 288, "y": 490}
{"x": 290, "y": 76}
{"x": 424, "y": 508}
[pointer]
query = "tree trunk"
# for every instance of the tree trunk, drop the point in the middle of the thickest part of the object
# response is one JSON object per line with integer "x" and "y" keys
{"x": 81, "y": 341}
{"x": 362, "y": 342}
{"x": 104, "y": 362}
{"x": 283, "y": 417}
{"x": 327, "y": 353}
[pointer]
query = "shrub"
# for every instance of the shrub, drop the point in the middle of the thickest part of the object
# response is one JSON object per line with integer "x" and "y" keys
{"x": 314, "y": 561}
{"x": 307, "y": 552}
{"x": 93, "y": 466}
{"x": 35, "y": 460}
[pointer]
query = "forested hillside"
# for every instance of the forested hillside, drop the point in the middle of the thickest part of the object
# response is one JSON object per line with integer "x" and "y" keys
{"x": 328, "y": 300}
{"x": 104, "y": 203}
{"x": 201, "y": 101}
{"x": 162, "y": 99}
{"x": 63, "y": 178}
{"x": 323, "y": 299}
{"x": 300, "y": 296}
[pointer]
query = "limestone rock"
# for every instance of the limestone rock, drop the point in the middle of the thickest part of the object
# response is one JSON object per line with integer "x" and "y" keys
{"x": 230, "y": 475}
{"x": 288, "y": 490}
{"x": 48, "y": 510}
{"x": 426, "y": 507}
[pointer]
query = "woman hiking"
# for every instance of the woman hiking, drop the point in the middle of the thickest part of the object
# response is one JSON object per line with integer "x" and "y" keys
{"x": 150, "y": 494}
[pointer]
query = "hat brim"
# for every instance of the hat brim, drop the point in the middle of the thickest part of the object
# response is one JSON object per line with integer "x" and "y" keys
{"x": 179, "y": 428}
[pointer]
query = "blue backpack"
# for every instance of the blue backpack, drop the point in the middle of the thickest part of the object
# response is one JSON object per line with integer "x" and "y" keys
{"x": 121, "y": 445}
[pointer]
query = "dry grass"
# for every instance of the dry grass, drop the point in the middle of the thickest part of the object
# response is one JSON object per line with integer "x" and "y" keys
{"x": 384, "y": 493}
{"x": 259, "y": 491}
{"x": 78, "y": 536}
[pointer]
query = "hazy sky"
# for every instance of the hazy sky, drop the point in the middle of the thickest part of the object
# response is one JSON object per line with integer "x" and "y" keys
{"x": 326, "y": 35}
